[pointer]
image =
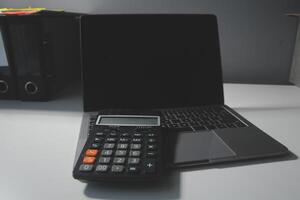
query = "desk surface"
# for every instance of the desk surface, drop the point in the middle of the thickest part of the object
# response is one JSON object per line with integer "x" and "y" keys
{"x": 38, "y": 142}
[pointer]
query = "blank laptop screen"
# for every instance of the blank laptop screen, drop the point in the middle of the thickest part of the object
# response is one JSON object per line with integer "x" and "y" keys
{"x": 150, "y": 61}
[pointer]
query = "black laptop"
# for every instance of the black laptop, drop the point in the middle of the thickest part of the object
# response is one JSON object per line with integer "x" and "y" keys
{"x": 168, "y": 64}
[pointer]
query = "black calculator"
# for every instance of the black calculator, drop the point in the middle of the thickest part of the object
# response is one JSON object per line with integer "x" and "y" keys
{"x": 121, "y": 147}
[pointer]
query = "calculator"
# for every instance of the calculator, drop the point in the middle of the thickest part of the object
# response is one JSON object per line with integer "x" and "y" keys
{"x": 121, "y": 147}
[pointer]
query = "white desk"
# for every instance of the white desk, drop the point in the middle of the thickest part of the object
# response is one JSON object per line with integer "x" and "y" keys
{"x": 38, "y": 142}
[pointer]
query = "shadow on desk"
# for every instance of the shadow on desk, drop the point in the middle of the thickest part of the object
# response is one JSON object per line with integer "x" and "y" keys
{"x": 167, "y": 188}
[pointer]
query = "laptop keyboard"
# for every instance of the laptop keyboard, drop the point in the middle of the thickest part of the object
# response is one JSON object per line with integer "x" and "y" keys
{"x": 199, "y": 118}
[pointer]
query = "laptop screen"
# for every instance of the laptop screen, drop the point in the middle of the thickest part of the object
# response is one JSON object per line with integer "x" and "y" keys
{"x": 150, "y": 61}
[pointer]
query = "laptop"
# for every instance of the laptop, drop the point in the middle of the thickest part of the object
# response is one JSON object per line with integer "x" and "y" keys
{"x": 168, "y": 64}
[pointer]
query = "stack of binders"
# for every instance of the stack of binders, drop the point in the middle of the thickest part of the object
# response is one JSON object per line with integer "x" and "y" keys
{"x": 39, "y": 54}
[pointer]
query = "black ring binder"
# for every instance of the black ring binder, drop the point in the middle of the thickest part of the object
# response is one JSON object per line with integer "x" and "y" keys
{"x": 45, "y": 53}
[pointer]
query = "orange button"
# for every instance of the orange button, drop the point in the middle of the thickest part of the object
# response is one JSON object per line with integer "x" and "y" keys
{"x": 88, "y": 160}
{"x": 91, "y": 152}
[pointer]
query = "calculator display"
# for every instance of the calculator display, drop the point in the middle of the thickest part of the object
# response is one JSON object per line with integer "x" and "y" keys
{"x": 128, "y": 120}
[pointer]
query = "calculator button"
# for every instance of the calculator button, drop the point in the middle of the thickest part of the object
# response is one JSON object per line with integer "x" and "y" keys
{"x": 85, "y": 168}
{"x": 118, "y": 160}
{"x": 91, "y": 152}
{"x": 124, "y": 140}
{"x": 137, "y": 135}
{"x": 98, "y": 139}
{"x": 117, "y": 168}
{"x": 133, "y": 161}
{"x": 104, "y": 160}
{"x": 88, "y": 160}
{"x": 106, "y": 130}
{"x": 113, "y": 134}
{"x": 125, "y": 134}
{"x": 151, "y": 154}
{"x": 149, "y": 166}
{"x": 133, "y": 169}
{"x": 135, "y": 153}
{"x": 135, "y": 146}
{"x": 101, "y": 134}
{"x": 106, "y": 152}
{"x": 110, "y": 139}
{"x": 151, "y": 140}
{"x": 95, "y": 145}
{"x": 109, "y": 146}
{"x": 151, "y": 147}
{"x": 136, "y": 140}
{"x": 101, "y": 168}
{"x": 122, "y": 146}
{"x": 151, "y": 135}
{"x": 121, "y": 152}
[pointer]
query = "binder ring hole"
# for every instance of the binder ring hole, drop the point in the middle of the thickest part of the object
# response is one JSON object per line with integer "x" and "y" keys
{"x": 3, "y": 86}
{"x": 31, "y": 87}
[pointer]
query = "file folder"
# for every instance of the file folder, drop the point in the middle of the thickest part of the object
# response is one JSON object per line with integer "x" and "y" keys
{"x": 45, "y": 51}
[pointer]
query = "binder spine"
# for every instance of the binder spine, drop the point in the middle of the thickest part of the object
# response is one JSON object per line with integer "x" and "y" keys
{"x": 7, "y": 73}
{"x": 45, "y": 51}
{"x": 27, "y": 45}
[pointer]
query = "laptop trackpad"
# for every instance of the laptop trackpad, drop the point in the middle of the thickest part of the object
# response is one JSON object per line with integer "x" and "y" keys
{"x": 193, "y": 148}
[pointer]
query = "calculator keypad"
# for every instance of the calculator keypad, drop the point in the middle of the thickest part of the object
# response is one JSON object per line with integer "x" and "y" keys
{"x": 121, "y": 151}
